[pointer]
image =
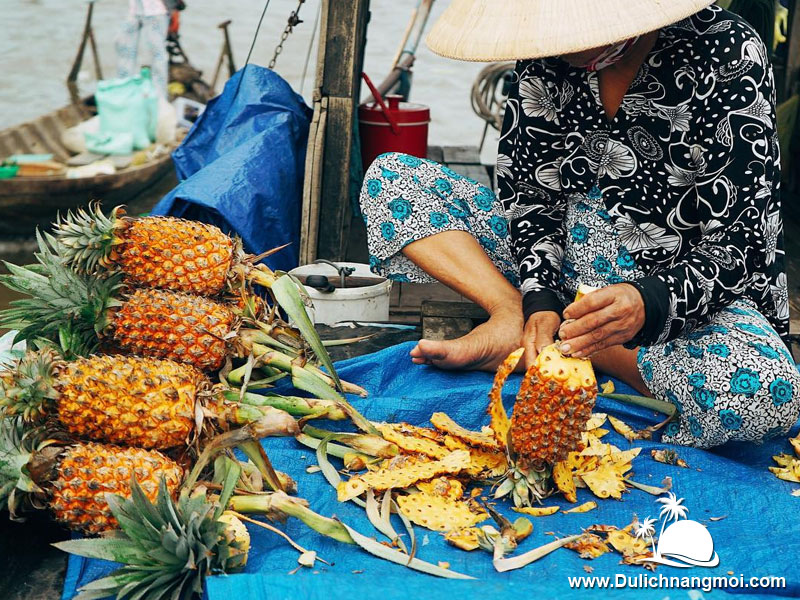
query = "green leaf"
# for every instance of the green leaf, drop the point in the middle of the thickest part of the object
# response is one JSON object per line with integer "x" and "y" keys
{"x": 377, "y": 549}
{"x": 288, "y": 296}
{"x": 232, "y": 475}
{"x": 516, "y": 562}
{"x": 114, "y": 550}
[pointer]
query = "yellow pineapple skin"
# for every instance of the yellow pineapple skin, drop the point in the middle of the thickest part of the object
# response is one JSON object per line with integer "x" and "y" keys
{"x": 180, "y": 327}
{"x": 174, "y": 254}
{"x": 554, "y": 403}
{"x": 148, "y": 403}
{"x": 86, "y": 472}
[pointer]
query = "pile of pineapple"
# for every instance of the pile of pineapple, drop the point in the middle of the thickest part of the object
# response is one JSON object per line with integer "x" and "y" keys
{"x": 143, "y": 337}
{"x": 145, "y": 342}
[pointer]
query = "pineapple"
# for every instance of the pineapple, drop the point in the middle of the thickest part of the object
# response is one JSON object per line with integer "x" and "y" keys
{"x": 79, "y": 312}
{"x": 166, "y": 548}
{"x": 86, "y": 310}
{"x": 143, "y": 402}
{"x": 156, "y": 252}
{"x": 554, "y": 403}
{"x": 73, "y": 479}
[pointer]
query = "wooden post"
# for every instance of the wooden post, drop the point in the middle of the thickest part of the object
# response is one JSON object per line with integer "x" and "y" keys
{"x": 326, "y": 194}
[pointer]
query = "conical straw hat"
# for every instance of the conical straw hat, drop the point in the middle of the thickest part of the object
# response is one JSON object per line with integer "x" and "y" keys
{"x": 493, "y": 30}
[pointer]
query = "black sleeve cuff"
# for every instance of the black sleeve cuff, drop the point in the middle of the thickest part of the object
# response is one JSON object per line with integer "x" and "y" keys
{"x": 541, "y": 300}
{"x": 655, "y": 295}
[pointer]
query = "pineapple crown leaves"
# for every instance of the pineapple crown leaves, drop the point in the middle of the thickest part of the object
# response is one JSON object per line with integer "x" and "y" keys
{"x": 62, "y": 305}
{"x": 166, "y": 548}
{"x": 88, "y": 236}
{"x": 17, "y": 445}
{"x": 26, "y": 389}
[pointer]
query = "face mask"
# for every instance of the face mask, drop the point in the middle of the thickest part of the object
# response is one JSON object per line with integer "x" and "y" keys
{"x": 611, "y": 55}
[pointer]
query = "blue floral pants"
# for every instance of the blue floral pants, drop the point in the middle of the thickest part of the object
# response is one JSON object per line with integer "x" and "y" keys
{"x": 730, "y": 379}
{"x": 154, "y": 31}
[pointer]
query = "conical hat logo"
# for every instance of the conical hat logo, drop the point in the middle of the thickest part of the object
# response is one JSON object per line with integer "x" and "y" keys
{"x": 682, "y": 542}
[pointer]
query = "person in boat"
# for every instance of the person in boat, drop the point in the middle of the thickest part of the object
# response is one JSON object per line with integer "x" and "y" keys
{"x": 638, "y": 155}
{"x": 148, "y": 19}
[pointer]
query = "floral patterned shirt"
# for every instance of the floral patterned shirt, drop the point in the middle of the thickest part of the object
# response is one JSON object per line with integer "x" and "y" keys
{"x": 689, "y": 172}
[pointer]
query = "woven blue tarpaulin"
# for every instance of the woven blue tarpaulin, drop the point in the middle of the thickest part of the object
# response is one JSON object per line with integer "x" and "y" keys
{"x": 759, "y": 536}
{"x": 241, "y": 165}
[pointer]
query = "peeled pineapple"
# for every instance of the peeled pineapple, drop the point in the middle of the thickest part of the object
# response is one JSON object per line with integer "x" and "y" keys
{"x": 554, "y": 403}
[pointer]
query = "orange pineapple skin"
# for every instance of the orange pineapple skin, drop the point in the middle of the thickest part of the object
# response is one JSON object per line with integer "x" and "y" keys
{"x": 86, "y": 472}
{"x": 143, "y": 402}
{"x": 174, "y": 254}
{"x": 186, "y": 329}
{"x": 554, "y": 403}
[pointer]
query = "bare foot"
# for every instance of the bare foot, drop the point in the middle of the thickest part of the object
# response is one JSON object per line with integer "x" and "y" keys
{"x": 482, "y": 349}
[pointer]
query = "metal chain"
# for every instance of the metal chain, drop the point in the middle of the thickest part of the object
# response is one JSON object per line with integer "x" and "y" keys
{"x": 293, "y": 21}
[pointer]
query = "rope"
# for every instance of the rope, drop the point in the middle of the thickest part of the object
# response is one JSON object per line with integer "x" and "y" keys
{"x": 488, "y": 97}
{"x": 250, "y": 52}
{"x": 310, "y": 46}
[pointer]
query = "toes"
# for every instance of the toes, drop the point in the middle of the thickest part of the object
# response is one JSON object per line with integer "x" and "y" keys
{"x": 432, "y": 350}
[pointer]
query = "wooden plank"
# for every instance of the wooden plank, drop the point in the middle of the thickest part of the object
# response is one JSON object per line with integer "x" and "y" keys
{"x": 346, "y": 25}
{"x": 475, "y": 172}
{"x": 414, "y": 294}
{"x": 334, "y": 205}
{"x": 309, "y": 224}
{"x": 453, "y": 310}
{"x": 445, "y": 328}
{"x": 436, "y": 153}
{"x": 461, "y": 155}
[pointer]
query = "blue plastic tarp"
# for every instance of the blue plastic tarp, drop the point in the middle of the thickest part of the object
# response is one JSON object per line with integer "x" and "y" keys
{"x": 758, "y": 536}
{"x": 241, "y": 165}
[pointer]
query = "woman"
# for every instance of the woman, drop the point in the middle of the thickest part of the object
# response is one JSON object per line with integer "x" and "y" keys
{"x": 149, "y": 19}
{"x": 646, "y": 165}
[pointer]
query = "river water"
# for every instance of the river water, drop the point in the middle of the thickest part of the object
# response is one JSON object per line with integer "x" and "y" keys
{"x": 39, "y": 40}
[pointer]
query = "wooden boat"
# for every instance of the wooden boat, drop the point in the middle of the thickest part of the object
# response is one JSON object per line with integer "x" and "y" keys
{"x": 30, "y": 202}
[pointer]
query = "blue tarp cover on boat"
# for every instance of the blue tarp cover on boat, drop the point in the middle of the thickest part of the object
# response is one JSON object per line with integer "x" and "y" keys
{"x": 241, "y": 165}
{"x": 758, "y": 536}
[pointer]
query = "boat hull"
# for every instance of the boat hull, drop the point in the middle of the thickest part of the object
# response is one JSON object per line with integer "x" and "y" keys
{"x": 28, "y": 203}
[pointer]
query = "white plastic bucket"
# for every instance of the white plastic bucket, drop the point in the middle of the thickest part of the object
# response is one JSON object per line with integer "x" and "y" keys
{"x": 365, "y": 304}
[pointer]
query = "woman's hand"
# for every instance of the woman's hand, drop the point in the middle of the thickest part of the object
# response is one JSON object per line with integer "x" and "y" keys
{"x": 540, "y": 331}
{"x": 607, "y": 317}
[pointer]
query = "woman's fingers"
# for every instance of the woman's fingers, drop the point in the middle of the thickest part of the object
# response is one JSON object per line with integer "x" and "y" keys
{"x": 589, "y": 323}
{"x": 539, "y": 332}
{"x": 591, "y": 303}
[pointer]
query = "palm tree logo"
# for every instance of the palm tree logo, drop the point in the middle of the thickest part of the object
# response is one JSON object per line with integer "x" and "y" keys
{"x": 682, "y": 542}
{"x": 645, "y": 529}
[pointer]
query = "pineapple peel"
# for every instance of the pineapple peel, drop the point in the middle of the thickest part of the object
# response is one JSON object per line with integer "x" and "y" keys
{"x": 562, "y": 477}
{"x": 537, "y": 511}
{"x": 795, "y": 442}
{"x": 445, "y": 424}
{"x": 412, "y": 443}
{"x": 605, "y": 482}
{"x": 788, "y": 469}
{"x": 402, "y": 473}
{"x": 442, "y": 486}
{"x": 500, "y": 422}
{"x": 589, "y": 545}
{"x": 439, "y": 513}
{"x": 583, "y": 508}
{"x": 465, "y": 539}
